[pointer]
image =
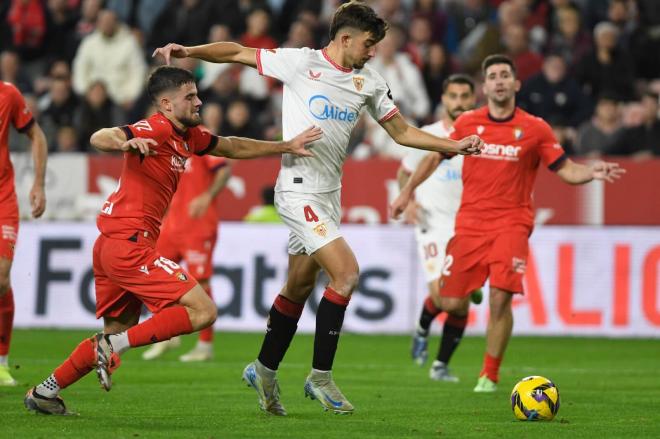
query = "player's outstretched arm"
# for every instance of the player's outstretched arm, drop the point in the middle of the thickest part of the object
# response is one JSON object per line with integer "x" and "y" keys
{"x": 39, "y": 158}
{"x": 244, "y": 148}
{"x": 423, "y": 171}
{"x": 114, "y": 139}
{"x": 405, "y": 134}
{"x": 221, "y": 52}
{"x": 576, "y": 173}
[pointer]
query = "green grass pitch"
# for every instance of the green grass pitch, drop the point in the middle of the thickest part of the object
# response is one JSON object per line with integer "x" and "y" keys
{"x": 609, "y": 388}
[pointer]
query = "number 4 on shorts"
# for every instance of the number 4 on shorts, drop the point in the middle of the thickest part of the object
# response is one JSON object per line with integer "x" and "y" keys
{"x": 310, "y": 216}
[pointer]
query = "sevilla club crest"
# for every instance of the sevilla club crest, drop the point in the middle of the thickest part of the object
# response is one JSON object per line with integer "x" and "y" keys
{"x": 358, "y": 82}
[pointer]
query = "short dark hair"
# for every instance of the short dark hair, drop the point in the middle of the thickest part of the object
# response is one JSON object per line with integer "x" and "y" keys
{"x": 166, "y": 78}
{"x": 458, "y": 78}
{"x": 497, "y": 59}
{"x": 357, "y": 15}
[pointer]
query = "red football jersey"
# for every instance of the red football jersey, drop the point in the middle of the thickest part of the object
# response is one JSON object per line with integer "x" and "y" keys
{"x": 12, "y": 111}
{"x": 498, "y": 183}
{"x": 198, "y": 176}
{"x": 147, "y": 184}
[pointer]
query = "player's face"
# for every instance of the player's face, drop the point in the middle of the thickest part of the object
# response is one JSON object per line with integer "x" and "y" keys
{"x": 457, "y": 99}
{"x": 500, "y": 84}
{"x": 361, "y": 47}
{"x": 186, "y": 104}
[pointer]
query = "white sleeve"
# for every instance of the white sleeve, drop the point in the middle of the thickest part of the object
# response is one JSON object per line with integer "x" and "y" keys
{"x": 281, "y": 64}
{"x": 381, "y": 104}
{"x": 412, "y": 159}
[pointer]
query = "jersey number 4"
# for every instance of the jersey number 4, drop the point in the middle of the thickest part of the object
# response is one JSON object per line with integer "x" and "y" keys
{"x": 310, "y": 216}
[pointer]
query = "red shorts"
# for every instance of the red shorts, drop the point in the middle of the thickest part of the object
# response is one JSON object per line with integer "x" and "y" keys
{"x": 128, "y": 274}
{"x": 500, "y": 257}
{"x": 195, "y": 251}
{"x": 8, "y": 235}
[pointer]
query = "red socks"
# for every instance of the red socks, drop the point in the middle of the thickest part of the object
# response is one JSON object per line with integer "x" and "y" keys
{"x": 430, "y": 307}
{"x": 491, "y": 368}
{"x": 6, "y": 321}
{"x": 206, "y": 334}
{"x": 79, "y": 364}
{"x": 288, "y": 308}
{"x": 169, "y": 322}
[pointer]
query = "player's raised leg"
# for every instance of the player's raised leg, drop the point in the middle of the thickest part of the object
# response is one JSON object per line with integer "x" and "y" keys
{"x": 6, "y": 321}
{"x": 339, "y": 263}
{"x": 282, "y": 325}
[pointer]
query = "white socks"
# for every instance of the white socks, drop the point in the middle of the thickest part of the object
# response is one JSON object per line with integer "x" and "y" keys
{"x": 119, "y": 342}
{"x": 49, "y": 388}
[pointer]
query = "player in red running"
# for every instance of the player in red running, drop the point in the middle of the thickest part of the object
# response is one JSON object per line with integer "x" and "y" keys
{"x": 128, "y": 270}
{"x": 13, "y": 111}
{"x": 189, "y": 233}
{"x": 495, "y": 218}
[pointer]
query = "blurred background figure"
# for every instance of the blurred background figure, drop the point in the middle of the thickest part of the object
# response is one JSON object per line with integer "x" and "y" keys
{"x": 602, "y": 132}
{"x": 266, "y": 212}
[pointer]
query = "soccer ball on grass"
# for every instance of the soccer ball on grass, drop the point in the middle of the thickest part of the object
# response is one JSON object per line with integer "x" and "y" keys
{"x": 535, "y": 398}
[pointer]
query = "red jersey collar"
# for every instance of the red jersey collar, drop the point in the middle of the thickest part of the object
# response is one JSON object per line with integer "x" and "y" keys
{"x": 506, "y": 119}
{"x": 334, "y": 64}
{"x": 180, "y": 132}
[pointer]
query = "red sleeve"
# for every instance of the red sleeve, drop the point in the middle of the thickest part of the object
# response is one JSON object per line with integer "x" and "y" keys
{"x": 21, "y": 116}
{"x": 202, "y": 141}
{"x": 548, "y": 147}
{"x": 148, "y": 129}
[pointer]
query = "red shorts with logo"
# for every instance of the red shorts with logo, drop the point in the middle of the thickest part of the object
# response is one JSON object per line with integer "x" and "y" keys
{"x": 8, "y": 236}
{"x": 470, "y": 260}
{"x": 195, "y": 251}
{"x": 129, "y": 273}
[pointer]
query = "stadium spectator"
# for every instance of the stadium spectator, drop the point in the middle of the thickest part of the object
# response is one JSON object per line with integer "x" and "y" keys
{"x": 570, "y": 39}
{"x": 607, "y": 68}
{"x": 237, "y": 121}
{"x": 10, "y": 71}
{"x": 402, "y": 76}
{"x": 464, "y": 17}
{"x": 58, "y": 108}
{"x": 554, "y": 95}
{"x": 184, "y": 20}
{"x": 256, "y": 34}
{"x": 89, "y": 12}
{"x": 300, "y": 35}
{"x": 419, "y": 39}
{"x": 601, "y": 133}
{"x": 27, "y": 23}
{"x": 60, "y": 42}
{"x": 95, "y": 112}
{"x": 138, "y": 14}
{"x": 642, "y": 140}
{"x": 66, "y": 140}
{"x": 437, "y": 68}
{"x": 516, "y": 43}
{"x": 110, "y": 54}
{"x": 431, "y": 10}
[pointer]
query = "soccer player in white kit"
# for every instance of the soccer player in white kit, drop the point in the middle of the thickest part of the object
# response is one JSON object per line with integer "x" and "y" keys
{"x": 433, "y": 212}
{"x": 327, "y": 88}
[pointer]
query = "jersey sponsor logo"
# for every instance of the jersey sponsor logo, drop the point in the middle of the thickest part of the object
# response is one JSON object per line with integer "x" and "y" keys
{"x": 500, "y": 152}
{"x": 323, "y": 109}
{"x": 358, "y": 82}
{"x": 314, "y": 76}
{"x": 178, "y": 164}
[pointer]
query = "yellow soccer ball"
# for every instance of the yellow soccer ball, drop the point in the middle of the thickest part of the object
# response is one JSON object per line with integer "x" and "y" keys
{"x": 535, "y": 398}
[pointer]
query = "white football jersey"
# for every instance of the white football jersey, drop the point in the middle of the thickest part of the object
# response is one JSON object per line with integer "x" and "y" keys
{"x": 319, "y": 92}
{"x": 440, "y": 195}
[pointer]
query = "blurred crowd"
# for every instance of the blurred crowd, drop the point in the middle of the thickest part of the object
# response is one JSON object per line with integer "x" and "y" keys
{"x": 591, "y": 68}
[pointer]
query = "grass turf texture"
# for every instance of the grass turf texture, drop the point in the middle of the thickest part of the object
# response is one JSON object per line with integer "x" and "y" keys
{"x": 609, "y": 388}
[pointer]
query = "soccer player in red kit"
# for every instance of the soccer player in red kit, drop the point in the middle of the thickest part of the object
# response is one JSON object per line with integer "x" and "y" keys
{"x": 496, "y": 218}
{"x": 128, "y": 270}
{"x": 189, "y": 233}
{"x": 13, "y": 111}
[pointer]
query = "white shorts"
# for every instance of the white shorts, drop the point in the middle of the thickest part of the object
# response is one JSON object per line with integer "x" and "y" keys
{"x": 431, "y": 245}
{"x": 313, "y": 219}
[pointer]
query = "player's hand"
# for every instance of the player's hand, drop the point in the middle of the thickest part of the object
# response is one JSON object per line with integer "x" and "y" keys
{"x": 607, "y": 171}
{"x": 297, "y": 144}
{"x": 172, "y": 50}
{"x": 37, "y": 200}
{"x": 139, "y": 145}
{"x": 470, "y": 145}
{"x": 199, "y": 205}
{"x": 411, "y": 212}
{"x": 400, "y": 203}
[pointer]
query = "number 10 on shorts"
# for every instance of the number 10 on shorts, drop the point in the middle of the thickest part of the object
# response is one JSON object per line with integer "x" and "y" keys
{"x": 167, "y": 265}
